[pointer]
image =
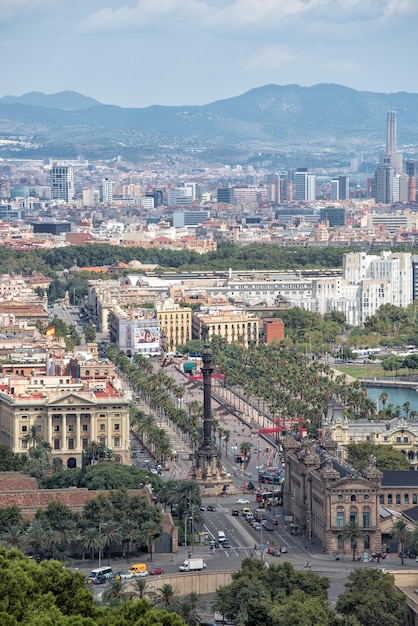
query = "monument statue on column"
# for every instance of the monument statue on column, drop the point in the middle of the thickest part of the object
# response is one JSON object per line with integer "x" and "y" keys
{"x": 207, "y": 469}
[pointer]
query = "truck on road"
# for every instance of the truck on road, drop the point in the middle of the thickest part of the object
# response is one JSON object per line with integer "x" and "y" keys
{"x": 192, "y": 565}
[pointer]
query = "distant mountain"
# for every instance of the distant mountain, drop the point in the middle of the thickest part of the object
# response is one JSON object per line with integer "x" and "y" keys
{"x": 66, "y": 100}
{"x": 273, "y": 116}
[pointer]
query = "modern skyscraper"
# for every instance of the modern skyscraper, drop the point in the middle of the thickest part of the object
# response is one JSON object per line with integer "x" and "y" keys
{"x": 301, "y": 184}
{"x": 106, "y": 195}
{"x": 62, "y": 183}
{"x": 305, "y": 185}
{"x": 343, "y": 188}
{"x": 384, "y": 184}
{"x": 391, "y": 158}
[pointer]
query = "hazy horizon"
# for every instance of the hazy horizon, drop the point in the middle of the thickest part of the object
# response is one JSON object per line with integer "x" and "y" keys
{"x": 135, "y": 53}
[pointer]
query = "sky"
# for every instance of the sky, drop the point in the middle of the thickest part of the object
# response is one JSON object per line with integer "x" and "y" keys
{"x": 135, "y": 53}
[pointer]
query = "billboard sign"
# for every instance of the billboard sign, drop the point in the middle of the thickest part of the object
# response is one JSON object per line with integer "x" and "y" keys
{"x": 147, "y": 339}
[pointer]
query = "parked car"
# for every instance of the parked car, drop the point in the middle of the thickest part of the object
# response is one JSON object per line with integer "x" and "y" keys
{"x": 122, "y": 575}
{"x": 157, "y": 571}
{"x": 273, "y": 552}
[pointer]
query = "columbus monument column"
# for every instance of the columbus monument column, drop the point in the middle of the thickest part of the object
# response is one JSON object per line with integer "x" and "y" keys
{"x": 207, "y": 469}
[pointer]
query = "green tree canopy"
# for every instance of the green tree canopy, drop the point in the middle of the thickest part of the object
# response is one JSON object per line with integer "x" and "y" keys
{"x": 372, "y": 598}
{"x": 9, "y": 461}
{"x": 387, "y": 458}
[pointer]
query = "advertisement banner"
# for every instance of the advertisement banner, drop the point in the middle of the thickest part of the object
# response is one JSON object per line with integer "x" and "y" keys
{"x": 147, "y": 339}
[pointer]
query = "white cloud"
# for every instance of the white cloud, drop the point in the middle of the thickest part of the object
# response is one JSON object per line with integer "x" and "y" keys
{"x": 10, "y": 9}
{"x": 144, "y": 13}
{"x": 270, "y": 58}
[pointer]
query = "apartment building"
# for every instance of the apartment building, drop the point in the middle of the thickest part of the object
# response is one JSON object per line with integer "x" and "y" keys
{"x": 175, "y": 323}
{"x": 135, "y": 331}
{"x": 234, "y": 325}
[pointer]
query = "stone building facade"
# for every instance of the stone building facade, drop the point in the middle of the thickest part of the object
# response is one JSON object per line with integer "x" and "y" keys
{"x": 322, "y": 496}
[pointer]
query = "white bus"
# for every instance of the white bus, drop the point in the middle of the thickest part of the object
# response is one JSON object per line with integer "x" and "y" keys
{"x": 100, "y": 571}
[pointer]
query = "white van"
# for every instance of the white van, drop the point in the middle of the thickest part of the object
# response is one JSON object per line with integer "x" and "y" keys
{"x": 221, "y": 536}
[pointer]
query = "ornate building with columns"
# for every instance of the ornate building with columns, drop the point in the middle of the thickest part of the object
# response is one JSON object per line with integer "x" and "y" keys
{"x": 68, "y": 415}
{"x": 322, "y": 495}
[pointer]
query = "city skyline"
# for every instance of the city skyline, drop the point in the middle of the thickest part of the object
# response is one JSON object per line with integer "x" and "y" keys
{"x": 137, "y": 53}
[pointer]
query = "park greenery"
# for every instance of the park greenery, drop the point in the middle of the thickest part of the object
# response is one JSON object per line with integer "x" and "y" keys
{"x": 47, "y": 594}
{"x": 117, "y": 523}
{"x": 228, "y": 255}
{"x": 387, "y": 457}
{"x": 282, "y": 596}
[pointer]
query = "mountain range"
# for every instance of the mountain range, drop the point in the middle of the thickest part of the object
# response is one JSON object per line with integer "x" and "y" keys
{"x": 272, "y": 117}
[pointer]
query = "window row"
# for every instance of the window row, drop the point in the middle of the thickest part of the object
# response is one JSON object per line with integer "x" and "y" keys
{"x": 407, "y": 499}
{"x": 353, "y": 518}
{"x": 70, "y": 427}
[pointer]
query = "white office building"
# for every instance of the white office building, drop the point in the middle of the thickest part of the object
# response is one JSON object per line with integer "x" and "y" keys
{"x": 62, "y": 183}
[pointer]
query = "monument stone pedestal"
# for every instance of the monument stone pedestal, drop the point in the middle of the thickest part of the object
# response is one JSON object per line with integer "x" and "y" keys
{"x": 207, "y": 469}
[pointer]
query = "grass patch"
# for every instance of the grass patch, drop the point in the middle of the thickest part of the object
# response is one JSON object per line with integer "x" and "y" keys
{"x": 365, "y": 370}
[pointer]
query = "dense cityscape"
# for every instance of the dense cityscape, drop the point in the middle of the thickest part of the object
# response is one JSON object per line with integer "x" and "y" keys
{"x": 208, "y": 313}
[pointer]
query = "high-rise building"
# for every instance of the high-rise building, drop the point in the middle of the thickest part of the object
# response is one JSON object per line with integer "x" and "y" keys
{"x": 305, "y": 185}
{"x": 106, "y": 192}
{"x": 301, "y": 184}
{"x": 335, "y": 190}
{"x": 384, "y": 184}
{"x": 62, "y": 183}
{"x": 225, "y": 195}
{"x": 391, "y": 158}
{"x": 343, "y": 188}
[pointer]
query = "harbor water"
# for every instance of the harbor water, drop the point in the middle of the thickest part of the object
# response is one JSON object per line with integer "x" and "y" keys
{"x": 396, "y": 396}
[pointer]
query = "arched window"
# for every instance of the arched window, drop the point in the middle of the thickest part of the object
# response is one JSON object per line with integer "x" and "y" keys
{"x": 406, "y": 498}
{"x": 353, "y": 498}
{"x": 381, "y": 499}
{"x": 390, "y": 498}
{"x": 87, "y": 372}
{"x": 398, "y": 498}
{"x": 414, "y": 498}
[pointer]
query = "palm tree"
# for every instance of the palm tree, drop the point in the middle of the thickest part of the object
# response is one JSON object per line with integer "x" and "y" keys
{"x": 57, "y": 465}
{"x": 34, "y": 437}
{"x": 66, "y": 532}
{"x": 401, "y": 533}
{"x": 13, "y": 537}
{"x": 129, "y": 532}
{"x": 91, "y": 540}
{"x": 165, "y": 597}
{"x": 115, "y": 592}
{"x": 138, "y": 589}
{"x": 149, "y": 533}
{"x": 112, "y": 536}
{"x": 353, "y": 533}
{"x": 245, "y": 448}
{"x": 383, "y": 398}
{"x": 407, "y": 408}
